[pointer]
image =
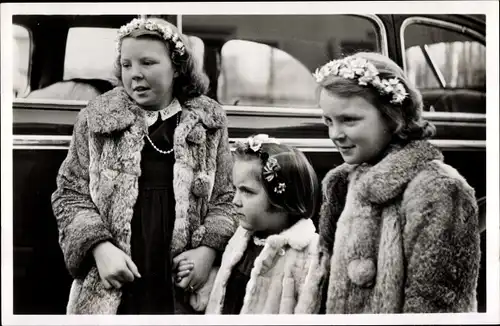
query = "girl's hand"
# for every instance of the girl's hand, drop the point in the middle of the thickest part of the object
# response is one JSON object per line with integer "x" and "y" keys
{"x": 203, "y": 258}
{"x": 183, "y": 269}
{"x": 114, "y": 266}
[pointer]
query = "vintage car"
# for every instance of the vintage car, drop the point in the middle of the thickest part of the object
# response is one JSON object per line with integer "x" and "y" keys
{"x": 259, "y": 67}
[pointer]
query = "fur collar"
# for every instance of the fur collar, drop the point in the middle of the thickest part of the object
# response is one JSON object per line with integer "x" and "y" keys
{"x": 116, "y": 111}
{"x": 388, "y": 178}
{"x": 297, "y": 237}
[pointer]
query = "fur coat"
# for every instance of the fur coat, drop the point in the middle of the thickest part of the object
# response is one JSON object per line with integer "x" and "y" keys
{"x": 97, "y": 187}
{"x": 400, "y": 236}
{"x": 278, "y": 275}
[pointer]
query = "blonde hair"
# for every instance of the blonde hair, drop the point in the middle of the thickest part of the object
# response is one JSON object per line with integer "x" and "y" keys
{"x": 405, "y": 119}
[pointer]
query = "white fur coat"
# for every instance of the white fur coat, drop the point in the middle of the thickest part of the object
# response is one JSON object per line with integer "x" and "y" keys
{"x": 278, "y": 275}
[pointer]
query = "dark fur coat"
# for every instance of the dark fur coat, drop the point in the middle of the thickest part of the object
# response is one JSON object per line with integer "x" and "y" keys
{"x": 398, "y": 237}
{"x": 97, "y": 187}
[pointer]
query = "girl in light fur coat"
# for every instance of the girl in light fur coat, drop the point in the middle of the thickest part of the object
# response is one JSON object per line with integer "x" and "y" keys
{"x": 266, "y": 262}
{"x": 398, "y": 227}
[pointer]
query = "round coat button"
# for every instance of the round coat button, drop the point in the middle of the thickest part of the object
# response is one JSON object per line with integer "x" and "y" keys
{"x": 362, "y": 271}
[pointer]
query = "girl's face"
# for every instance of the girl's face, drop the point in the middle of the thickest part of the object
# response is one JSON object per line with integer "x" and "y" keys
{"x": 147, "y": 72}
{"x": 251, "y": 199}
{"x": 355, "y": 126}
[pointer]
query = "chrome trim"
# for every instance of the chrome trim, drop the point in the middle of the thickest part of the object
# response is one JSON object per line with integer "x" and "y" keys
{"x": 431, "y": 21}
{"x": 304, "y": 144}
{"x": 383, "y": 31}
{"x": 48, "y": 104}
{"x": 41, "y": 141}
{"x": 326, "y": 145}
{"x": 179, "y": 23}
{"x": 231, "y": 110}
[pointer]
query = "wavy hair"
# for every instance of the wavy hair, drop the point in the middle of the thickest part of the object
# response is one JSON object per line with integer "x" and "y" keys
{"x": 405, "y": 119}
{"x": 190, "y": 81}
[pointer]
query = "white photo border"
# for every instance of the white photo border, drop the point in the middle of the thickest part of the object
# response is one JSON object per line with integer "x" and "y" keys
{"x": 488, "y": 8}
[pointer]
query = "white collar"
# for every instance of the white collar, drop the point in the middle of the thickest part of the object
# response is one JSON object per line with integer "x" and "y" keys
{"x": 169, "y": 111}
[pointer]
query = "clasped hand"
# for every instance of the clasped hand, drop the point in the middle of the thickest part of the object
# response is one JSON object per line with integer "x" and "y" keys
{"x": 192, "y": 267}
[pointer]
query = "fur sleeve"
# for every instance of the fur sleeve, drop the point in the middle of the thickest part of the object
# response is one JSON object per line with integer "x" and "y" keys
{"x": 220, "y": 222}
{"x": 311, "y": 279}
{"x": 441, "y": 242}
{"x": 334, "y": 189}
{"x": 79, "y": 223}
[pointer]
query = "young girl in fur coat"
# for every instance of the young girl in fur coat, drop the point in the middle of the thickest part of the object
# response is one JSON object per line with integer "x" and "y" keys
{"x": 266, "y": 262}
{"x": 147, "y": 179}
{"x": 398, "y": 227}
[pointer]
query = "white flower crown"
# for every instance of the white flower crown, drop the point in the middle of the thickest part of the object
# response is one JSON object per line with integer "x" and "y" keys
{"x": 365, "y": 72}
{"x": 165, "y": 31}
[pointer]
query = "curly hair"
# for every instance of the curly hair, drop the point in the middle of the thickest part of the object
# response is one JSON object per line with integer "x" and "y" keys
{"x": 190, "y": 81}
{"x": 405, "y": 119}
{"x": 302, "y": 194}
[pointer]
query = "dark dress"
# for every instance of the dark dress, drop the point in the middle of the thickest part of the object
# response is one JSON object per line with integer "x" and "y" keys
{"x": 237, "y": 283}
{"x": 152, "y": 228}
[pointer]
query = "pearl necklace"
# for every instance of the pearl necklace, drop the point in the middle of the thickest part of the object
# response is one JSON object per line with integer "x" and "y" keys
{"x": 159, "y": 150}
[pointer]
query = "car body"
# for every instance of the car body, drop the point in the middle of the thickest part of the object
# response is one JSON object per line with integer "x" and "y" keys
{"x": 259, "y": 67}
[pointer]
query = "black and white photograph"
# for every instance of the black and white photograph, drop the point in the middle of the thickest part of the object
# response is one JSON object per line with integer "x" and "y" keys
{"x": 293, "y": 162}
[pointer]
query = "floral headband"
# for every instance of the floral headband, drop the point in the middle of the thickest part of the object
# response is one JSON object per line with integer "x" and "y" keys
{"x": 151, "y": 25}
{"x": 271, "y": 166}
{"x": 365, "y": 72}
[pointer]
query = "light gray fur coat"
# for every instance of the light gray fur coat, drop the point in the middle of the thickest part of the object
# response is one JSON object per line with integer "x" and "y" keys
{"x": 279, "y": 273}
{"x": 97, "y": 187}
{"x": 405, "y": 235}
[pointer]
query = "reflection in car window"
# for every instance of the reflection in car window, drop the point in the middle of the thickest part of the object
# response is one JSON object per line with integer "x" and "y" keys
{"x": 268, "y": 59}
{"x": 460, "y": 59}
{"x": 198, "y": 49}
{"x": 21, "y": 60}
{"x": 257, "y": 74}
{"x": 90, "y": 53}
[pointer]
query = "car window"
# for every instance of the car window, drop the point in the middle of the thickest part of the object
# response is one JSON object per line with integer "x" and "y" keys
{"x": 266, "y": 60}
{"x": 90, "y": 53}
{"x": 198, "y": 48}
{"x": 258, "y": 74}
{"x": 21, "y": 60}
{"x": 459, "y": 58}
{"x": 448, "y": 66}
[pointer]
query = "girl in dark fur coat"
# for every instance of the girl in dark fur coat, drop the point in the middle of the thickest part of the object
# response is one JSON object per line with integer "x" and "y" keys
{"x": 398, "y": 227}
{"x": 146, "y": 183}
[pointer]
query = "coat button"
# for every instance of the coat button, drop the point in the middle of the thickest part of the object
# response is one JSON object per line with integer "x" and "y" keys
{"x": 362, "y": 271}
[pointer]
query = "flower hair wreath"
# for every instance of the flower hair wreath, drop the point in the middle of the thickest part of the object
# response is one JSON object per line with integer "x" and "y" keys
{"x": 165, "y": 31}
{"x": 271, "y": 166}
{"x": 365, "y": 72}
